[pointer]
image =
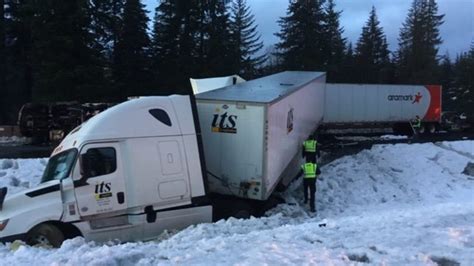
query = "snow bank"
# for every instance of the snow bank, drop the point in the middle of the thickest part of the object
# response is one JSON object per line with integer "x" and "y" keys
{"x": 363, "y": 138}
{"x": 14, "y": 140}
{"x": 393, "y": 204}
{"x": 21, "y": 174}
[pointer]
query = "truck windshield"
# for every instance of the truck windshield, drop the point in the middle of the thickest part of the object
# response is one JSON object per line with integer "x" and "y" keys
{"x": 59, "y": 166}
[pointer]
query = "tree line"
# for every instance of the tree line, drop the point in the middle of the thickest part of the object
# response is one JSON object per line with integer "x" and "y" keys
{"x": 104, "y": 50}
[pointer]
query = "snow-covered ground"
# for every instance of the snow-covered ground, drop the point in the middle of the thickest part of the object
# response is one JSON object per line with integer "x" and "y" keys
{"x": 14, "y": 141}
{"x": 363, "y": 138}
{"x": 404, "y": 204}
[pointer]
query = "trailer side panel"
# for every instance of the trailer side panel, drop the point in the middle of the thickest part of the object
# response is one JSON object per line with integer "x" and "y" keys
{"x": 379, "y": 103}
{"x": 290, "y": 121}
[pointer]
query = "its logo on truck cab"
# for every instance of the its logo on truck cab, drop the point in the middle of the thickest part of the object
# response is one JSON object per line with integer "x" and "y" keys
{"x": 408, "y": 97}
{"x": 102, "y": 190}
{"x": 224, "y": 123}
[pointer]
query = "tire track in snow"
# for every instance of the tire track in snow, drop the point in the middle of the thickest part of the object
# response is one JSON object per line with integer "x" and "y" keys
{"x": 445, "y": 147}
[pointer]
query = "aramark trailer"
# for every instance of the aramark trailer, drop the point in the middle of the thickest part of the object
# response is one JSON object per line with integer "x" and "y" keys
{"x": 380, "y": 103}
{"x": 252, "y": 131}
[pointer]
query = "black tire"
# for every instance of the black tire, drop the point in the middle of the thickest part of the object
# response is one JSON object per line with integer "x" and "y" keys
{"x": 422, "y": 129}
{"x": 432, "y": 128}
{"x": 45, "y": 234}
{"x": 241, "y": 214}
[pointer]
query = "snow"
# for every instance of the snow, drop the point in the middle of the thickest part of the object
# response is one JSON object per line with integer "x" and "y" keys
{"x": 403, "y": 204}
{"x": 364, "y": 138}
{"x": 14, "y": 140}
{"x": 21, "y": 174}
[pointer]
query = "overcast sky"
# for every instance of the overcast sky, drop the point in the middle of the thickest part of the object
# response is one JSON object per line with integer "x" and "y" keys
{"x": 457, "y": 31}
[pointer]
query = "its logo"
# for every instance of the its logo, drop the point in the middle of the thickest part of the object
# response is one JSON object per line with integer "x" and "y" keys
{"x": 103, "y": 190}
{"x": 408, "y": 97}
{"x": 289, "y": 121}
{"x": 224, "y": 123}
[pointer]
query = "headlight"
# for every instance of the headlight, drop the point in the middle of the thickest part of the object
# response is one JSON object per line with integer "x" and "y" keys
{"x": 3, "y": 224}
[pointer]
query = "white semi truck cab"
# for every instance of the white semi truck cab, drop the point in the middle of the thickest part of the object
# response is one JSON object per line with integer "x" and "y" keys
{"x": 128, "y": 173}
{"x": 139, "y": 167}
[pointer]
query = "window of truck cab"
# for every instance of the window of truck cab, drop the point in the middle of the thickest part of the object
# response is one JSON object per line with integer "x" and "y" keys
{"x": 59, "y": 166}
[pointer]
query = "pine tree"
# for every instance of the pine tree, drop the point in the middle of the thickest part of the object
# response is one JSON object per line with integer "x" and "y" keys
{"x": 105, "y": 21}
{"x": 372, "y": 55}
{"x": 18, "y": 48}
{"x": 64, "y": 65}
{"x": 177, "y": 44}
{"x": 165, "y": 43}
{"x": 219, "y": 57}
{"x": 301, "y": 36}
{"x": 417, "y": 60}
{"x": 463, "y": 93}
{"x": 245, "y": 40}
{"x": 3, "y": 61}
{"x": 447, "y": 81}
{"x": 131, "y": 54}
{"x": 334, "y": 42}
{"x": 348, "y": 68}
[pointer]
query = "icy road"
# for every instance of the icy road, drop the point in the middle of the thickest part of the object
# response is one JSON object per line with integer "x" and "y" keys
{"x": 394, "y": 204}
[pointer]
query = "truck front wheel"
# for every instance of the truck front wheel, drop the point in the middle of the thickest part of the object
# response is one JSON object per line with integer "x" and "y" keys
{"x": 45, "y": 234}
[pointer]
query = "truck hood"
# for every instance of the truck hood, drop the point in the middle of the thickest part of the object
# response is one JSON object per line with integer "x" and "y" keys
{"x": 25, "y": 201}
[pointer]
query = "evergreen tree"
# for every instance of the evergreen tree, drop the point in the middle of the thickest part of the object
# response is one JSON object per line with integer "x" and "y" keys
{"x": 3, "y": 61}
{"x": 18, "y": 47}
{"x": 219, "y": 57}
{"x": 447, "y": 81}
{"x": 245, "y": 40}
{"x": 335, "y": 43}
{"x": 176, "y": 44}
{"x": 64, "y": 65}
{"x": 106, "y": 18}
{"x": 463, "y": 92}
{"x": 417, "y": 60}
{"x": 372, "y": 55}
{"x": 165, "y": 43}
{"x": 132, "y": 75}
{"x": 348, "y": 68}
{"x": 301, "y": 36}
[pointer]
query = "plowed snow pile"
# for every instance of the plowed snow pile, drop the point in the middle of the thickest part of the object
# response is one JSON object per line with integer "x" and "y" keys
{"x": 396, "y": 204}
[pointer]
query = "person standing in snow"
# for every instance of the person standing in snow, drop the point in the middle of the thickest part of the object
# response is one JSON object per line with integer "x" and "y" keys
{"x": 416, "y": 124}
{"x": 310, "y": 149}
{"x": 311, "y": 171}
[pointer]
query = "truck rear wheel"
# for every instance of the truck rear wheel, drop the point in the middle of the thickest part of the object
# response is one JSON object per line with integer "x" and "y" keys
{"x": 45, "y": 234}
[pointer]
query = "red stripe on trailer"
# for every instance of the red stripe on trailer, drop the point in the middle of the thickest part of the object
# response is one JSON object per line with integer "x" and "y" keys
{"x": 434, "y": 110}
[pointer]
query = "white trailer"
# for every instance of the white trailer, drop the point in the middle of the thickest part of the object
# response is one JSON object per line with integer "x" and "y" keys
{"x": 252, "y": 131}
{"x": 381, "y": 103}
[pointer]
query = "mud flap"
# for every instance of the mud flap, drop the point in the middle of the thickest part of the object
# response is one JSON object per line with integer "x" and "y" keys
{"x": 3, "y": 193}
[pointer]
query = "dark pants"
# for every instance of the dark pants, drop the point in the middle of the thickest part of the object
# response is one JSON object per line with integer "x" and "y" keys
{"x": 310, "y": 157}
{"x": 310, "y": 183}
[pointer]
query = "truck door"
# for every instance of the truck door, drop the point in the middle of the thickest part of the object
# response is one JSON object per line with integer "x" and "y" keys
{"x": 100, "y": 187}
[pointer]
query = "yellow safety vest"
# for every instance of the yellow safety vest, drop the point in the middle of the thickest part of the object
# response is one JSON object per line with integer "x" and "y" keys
{"x": 309, "y": 170}
{"x": 310, "y": 145}
{"x": 417, "y": 123}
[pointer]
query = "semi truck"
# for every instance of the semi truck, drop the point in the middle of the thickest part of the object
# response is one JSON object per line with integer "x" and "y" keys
{"x": 157, "y": 163}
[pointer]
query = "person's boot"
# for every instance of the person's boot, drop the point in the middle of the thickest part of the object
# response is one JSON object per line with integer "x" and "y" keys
{"x": 305, "y": 201}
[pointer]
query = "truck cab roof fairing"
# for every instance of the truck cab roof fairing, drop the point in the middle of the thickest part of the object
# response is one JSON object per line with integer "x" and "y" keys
{"x": 127, "y": 120}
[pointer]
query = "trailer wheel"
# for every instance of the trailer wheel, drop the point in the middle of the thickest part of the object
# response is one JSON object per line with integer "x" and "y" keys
{"x": 432, "y": 128}
{"x": 422, "y": 129}
{"x": 45, "y": 234}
